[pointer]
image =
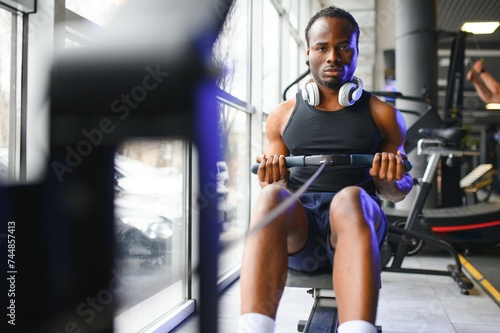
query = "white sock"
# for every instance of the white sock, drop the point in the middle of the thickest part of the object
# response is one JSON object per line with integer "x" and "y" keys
{"x": 357, "y": 326}
{"x": 255, "y": 323}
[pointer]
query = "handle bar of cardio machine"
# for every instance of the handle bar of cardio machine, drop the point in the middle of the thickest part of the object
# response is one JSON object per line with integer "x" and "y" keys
{"x": 333, "y": 160}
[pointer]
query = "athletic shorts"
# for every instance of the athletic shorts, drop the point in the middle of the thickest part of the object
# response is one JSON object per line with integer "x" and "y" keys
{"x": 317, "y": 254}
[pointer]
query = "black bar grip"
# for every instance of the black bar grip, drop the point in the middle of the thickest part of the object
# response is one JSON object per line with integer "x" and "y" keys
{"x": 290, "y": 161}
{"x": 352, "y": 159}
{"x": 361, "y": 159}
{"x": 367, "y": 160}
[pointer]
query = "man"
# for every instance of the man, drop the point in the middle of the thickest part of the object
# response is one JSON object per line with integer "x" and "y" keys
{"x": 485, "y": 84}
{"x": 341, "y": 208}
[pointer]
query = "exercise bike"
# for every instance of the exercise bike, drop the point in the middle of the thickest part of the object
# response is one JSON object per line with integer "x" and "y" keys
{"x": 477, "y": 221}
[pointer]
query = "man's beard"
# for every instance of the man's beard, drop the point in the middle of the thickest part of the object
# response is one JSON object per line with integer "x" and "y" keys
{"x": 333, "y": 83}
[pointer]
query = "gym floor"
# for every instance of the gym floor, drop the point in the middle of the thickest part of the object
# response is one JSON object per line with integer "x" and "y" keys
{"x": 409, "y": 303}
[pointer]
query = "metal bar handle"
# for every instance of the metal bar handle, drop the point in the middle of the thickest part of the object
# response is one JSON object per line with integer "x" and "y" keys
{"x": 352, "y": 159}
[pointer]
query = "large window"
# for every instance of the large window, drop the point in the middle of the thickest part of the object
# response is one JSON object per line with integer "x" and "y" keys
{"x": 294, "y": 13}
{"x": 231, "y": 55}
{"x": 233, "y": 186}
{"x": 151, "y": 231}
{"x": 271, "y": 57}
{"x": 152, "y": 188}
{"x": 10, "y": 93}
{"x": 231, "y": 52}
{"x": 151, "y": 209}
{"x": 154, "y": 215}
{"x": 293, "y": 64}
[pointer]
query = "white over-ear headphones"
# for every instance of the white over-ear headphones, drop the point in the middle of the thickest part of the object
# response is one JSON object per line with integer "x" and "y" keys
{"x": 349, "y": 93}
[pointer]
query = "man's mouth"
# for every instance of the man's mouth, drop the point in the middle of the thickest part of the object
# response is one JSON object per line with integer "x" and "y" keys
{"x": 332, "y": 70}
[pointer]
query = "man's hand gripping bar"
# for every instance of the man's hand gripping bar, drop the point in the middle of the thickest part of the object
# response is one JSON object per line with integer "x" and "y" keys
{"x": 332, "y": 160}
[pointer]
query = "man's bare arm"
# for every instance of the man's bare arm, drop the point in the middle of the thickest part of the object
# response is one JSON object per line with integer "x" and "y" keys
{"x": 272, "y": 167}
{"x": 393, "y": 182}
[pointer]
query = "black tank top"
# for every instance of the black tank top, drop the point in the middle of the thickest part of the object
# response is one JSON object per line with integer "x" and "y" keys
{"x": 351, "y": 130}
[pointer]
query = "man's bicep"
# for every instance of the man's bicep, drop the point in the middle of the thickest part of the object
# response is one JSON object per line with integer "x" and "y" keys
{"x": 392, "y": 143}
{"x": 277, "y": 147}
{"x": 401, "y": 129}
{"x": 395, "y": 135}
{"x": 273, "y": 132}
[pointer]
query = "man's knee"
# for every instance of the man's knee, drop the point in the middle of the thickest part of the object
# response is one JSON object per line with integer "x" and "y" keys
{"x": 270, "y": 197}
{"x": 273, "y": 193}
{"x": 347, "y": 201}
{"x": 352, "y": 208}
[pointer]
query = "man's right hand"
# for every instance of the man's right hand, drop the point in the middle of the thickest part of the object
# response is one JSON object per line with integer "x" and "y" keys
{"x": 272, "y": 169}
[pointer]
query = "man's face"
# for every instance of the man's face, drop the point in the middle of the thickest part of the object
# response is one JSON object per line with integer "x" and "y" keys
{"x": 332, "y": 51}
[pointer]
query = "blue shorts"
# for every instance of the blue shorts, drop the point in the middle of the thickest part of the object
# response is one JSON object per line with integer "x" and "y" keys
{"x": 317, "y": 254}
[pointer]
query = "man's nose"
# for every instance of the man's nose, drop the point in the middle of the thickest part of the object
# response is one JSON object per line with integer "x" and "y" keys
{"x": 333, "y": 56}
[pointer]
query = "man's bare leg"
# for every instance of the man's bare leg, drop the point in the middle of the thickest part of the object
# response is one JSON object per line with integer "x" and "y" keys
{"x": 356, "y": 270}
{"x": 265, "y": 258}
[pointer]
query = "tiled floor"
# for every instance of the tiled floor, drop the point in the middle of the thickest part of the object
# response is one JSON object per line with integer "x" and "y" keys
{"x": 409, "y": 303}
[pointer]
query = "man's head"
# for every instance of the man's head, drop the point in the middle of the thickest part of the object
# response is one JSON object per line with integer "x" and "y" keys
{"x": 332, "y": 11}
{"x": 332, "y": 37}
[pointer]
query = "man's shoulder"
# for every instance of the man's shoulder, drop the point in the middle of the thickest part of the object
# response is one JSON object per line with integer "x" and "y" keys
{"x": 278, "y": 118}
{"x": 284, "y": 109}
{"x": 378, "y": 104}
{"x": 386, "y": 116}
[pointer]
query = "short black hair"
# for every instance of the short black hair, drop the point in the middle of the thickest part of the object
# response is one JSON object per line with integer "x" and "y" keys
{"x": 333, "y": 11}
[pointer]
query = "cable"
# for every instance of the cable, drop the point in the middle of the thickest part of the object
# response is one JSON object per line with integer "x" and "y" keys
{"x": 284, "y": 205}
{"x": 297, "y": 80}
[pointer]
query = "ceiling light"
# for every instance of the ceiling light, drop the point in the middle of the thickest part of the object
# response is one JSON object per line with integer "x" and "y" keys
{"x": 480, "y": 27}
{"x": 493, "y": 106}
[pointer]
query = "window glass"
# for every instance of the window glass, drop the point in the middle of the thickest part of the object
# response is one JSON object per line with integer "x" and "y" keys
{"x": 293, "y": 63}
{"x": 233, "y": 186}
{"x": 151, "y": 231}
{"x": 97, "y": 11}
{"x": 231, "y": 52}
{"x": 265, "y": 140}
{"x": 5, "y": 89}
{"x": 271, "y": 58}
{"x": 294, "y": 13}
{"x": 231, "y": 56}
{"x": 10, "y": 94}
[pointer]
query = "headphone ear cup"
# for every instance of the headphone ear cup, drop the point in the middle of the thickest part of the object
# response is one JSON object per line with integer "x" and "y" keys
{"x": 345, "y": 93}
{"x": 350, "y": 92}
{"x": 305, "y": 95}
{"x": 359, "y": 89}
{"x": 312, "y": 93}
